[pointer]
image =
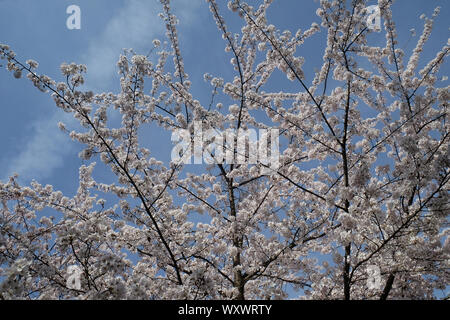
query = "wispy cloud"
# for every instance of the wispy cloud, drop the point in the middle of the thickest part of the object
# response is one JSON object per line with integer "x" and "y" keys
{"x": 135, "y": 26}
{"x": 43, "y": 152}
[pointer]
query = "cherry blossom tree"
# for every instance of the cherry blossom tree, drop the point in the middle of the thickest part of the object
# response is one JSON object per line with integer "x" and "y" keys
{"x": 363, "y": 174}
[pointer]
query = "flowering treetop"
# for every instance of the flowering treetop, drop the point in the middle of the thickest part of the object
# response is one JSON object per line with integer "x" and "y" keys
{"x": 376, "y": 193}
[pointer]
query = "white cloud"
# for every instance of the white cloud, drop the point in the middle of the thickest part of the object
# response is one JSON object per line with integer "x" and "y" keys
{"x": 44, "y": 151}
{"x": 135, "y": 26}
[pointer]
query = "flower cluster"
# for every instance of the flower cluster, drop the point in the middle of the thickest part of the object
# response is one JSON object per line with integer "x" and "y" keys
{"x": 363, "y": 178}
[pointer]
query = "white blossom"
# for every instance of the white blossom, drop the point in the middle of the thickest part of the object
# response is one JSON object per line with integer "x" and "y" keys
{"x": 363, "y": 173}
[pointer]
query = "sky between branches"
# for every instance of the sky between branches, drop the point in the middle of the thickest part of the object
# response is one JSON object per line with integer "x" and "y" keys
{"x": 31, "y": 143}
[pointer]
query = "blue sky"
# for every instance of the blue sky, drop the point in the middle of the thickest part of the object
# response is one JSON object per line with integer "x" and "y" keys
{"x": 31, "y": 143}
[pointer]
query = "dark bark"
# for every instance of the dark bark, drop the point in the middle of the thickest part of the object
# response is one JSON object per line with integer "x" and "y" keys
{"x": 387, "y": 287}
